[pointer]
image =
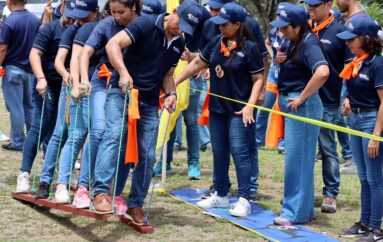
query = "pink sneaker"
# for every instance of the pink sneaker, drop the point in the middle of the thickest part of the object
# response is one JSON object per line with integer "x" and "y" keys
{"x": 119, "y": 205}
{"x": 81, "y": 198}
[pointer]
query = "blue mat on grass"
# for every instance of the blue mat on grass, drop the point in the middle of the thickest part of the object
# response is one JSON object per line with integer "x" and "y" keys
{"x": 260, "y": 221}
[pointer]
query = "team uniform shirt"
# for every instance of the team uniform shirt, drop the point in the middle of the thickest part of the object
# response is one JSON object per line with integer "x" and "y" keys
{"x": 337, "y": 54}
{"x": 47, "y": 41}
{"x": 151, "y": 55}
{"x": 210, "y": 30}
{"x": 294, "y": 76}
{"x": 231, "y": 76}
{"x": 362, "y": 89}
{"x": 98, "y": 39}
{"x": 19, "y": 31}
{"x": 193, "y": 42}
{"x": 67, "y": 41}
{"x": 80, "y": 39}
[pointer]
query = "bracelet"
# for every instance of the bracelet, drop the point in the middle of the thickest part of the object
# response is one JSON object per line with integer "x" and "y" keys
{"x": 40, "y": 78}
{"x": 173, "y": 93}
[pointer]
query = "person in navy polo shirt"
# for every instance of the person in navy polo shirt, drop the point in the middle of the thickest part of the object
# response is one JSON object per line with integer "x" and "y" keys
{"x": 123, "y": 13}
{"x": 155, "y": 47}
{"x": 324, "y": 25}
{"x": 304, "y": 70}
{"x": 236, "y": 71}
{"x": 365, "y": 107}
{"x": 48, "y": 88}
{"x": 17, "y": 34}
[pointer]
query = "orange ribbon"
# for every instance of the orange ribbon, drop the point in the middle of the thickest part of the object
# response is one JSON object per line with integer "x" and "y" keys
{"x": 131, "y": 154}
{"x": 104, "y": 73}
{"x": 2, "y": 72}
{"x": 272, "y": 87}
{"x": 322, "y": 25}
{"x": 226, "y": 51}
{"x": 352, "y": 68}
{"x": 204, "y": 117}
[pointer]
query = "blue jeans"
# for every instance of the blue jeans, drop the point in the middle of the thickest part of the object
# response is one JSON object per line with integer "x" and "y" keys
{"x": 330, "y": 160}
{"x": 190, "y": 116}
{"x": 204, "y": 134}
{"x": 369, "y": 170}
{"x": 57, "y": 141}
{"x": 343, "y": 138}
{"x": 263, "y": 116}
{"x": 106, "y": 160}
{"x": 178, "y": 131}
{"x": 301, "y": 142}
{"x": 147, "y": 132}
{"x": 18, "y": 86}
{"x": 230, "y": 136}
{"x": 78, "y": 130}
{"x": 48, "y": 120}
{"x": 97, "y": 127}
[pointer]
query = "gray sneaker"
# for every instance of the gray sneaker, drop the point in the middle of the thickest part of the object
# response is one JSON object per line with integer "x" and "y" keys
{"x": 328, "y": 205}
{"x": 348, "y": 168}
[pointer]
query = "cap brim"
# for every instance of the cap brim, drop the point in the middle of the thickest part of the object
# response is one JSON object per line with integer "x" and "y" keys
{"x": 346, "y": 35}
{"x": 214, "y": 4}
{"x": 69, "y": 13}
{"x": 219, "y": 20}
{"x": 186, "y": 27}
{"x": 278, "y": 23}
{"x": 311, "y": 2}
{"x": 80, "y": 13}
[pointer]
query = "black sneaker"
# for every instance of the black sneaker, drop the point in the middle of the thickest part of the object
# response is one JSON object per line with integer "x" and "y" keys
{"x": 9, "y": 147}
{"x": 253, "y": 197}
{"x": 43, "y": 191}
{"x": 358, "y": 229}
{"x": 208, "y": 193}
{"x": 372, "y": 236}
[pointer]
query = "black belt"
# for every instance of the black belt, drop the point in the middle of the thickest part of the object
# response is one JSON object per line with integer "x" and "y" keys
{"x": 364, "y": 110}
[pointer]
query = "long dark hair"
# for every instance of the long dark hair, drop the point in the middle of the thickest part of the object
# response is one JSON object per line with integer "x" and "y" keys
{"x": 136, "y": 4}
{"x": 294, "y": 50}
{"x": 371, "y": 45}
{"x": 243, "y": 34}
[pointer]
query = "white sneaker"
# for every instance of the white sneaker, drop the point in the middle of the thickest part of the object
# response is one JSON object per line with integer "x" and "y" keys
{"x": 62, "y": 196}
{"x": 241, "y": 208}
{"x": 3, "y": 137}
{"x": 77, "y": 165}
{"x": 23, "y": 183}
{"x": 214, "y": 201}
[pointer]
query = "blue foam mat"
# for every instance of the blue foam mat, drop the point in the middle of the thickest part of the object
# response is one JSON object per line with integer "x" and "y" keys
{"x": 260, "y": 221}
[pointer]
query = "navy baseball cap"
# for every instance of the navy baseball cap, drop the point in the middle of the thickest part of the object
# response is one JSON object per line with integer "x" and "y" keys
{"x": 84, "y": 8}
{"x": 315, "y": 2}
{"x": 151, "y": 7}
{"x": 217, "y": 4}
{"x": 69, "y": 7}
{"x": 190, "y": 16}
{"x": 290, "y": 14}
{"x": 230, "y": 12}
{"x": 361, "y": 26}
{"x": 281, "y": 6}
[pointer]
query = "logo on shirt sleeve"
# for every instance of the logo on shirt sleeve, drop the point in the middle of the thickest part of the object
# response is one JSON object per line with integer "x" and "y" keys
{"x": 176, "y": 49}
{"x": 364, "y": 77}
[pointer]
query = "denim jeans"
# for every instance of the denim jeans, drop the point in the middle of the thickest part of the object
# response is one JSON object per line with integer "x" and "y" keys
{"x": 97, "y": 127}
{"x": 301, "y": 142}
{"x": 18, "y": 86}
{"x": 330, "y": 159}
{"x": 147, "y": 132}
{"x": 178, "y": 131}
{"x": 78, "y": 131}
{"x": 190, "y": 116}
{"x": 57, "y": 141}
{"x": 107, "y": 155}
{"x": 369, "y": 170}
{"x": 230, "y": 136}
{"x": 263, "y": 116}
{"x": 204, "y": 134}
{"x": 48, "y": 118}
{"x": 343, "y": 138}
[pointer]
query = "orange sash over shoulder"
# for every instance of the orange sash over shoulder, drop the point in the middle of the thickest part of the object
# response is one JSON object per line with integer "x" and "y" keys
{"x": 352, "y": 68}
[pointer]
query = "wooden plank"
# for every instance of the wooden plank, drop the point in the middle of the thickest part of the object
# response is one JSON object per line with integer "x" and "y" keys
{"x": 147, "y": 229}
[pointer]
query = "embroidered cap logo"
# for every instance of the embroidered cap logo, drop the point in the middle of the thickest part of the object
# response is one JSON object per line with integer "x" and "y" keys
{"x": 192, "y": 18}
{"x": 223, "y": 10}
{"x": 81, "y": 3}
{"x": 283, "y": 13}
{"x": 147, "y": 8}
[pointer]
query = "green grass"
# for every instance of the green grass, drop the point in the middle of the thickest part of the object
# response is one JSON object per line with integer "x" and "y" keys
{"x": 172, "y": 220}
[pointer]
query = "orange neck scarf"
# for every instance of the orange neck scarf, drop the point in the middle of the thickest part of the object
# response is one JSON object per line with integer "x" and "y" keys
{"x": 322, "y": 25}
{"x": 352, "y": 68}
{"x": 226, "y": 51}
{"x": 131, "y": 154}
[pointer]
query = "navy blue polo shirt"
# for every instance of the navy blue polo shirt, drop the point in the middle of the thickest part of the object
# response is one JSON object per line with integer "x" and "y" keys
{"x": 68, "y": 36}
{"x": 193, "y": 42}
{"x": 18, "y": 31}
{"x": 294, "y": 77}
{"x": 47, "y": 41}
{"x": 209, "y": 31}
{"x": 151, "y": 56}
{"x": 236, "y": 82}
{"x": 80, "y": 39}
{"x": 362, "y": 89}
{"x": 337, "y": 54}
